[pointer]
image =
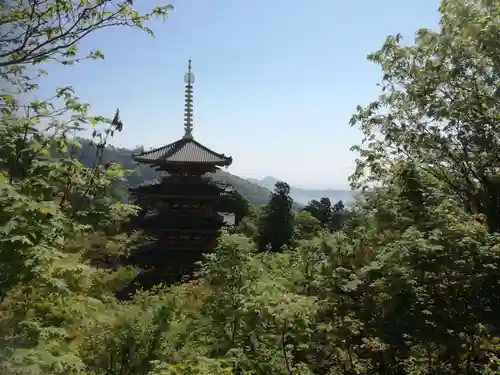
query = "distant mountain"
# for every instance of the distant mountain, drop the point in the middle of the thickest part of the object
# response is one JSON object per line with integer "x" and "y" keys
{"x": 254, "y": 193}
{"x": 304, "y": 196}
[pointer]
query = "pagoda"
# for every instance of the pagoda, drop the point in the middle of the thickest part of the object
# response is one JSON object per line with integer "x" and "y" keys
{"x": 181, "y": 213}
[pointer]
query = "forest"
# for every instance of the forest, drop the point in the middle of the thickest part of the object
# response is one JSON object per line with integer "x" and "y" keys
{"x": 406, "y": 281}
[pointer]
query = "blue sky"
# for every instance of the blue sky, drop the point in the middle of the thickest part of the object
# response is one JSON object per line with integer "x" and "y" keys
{"x": 276, "y": 80}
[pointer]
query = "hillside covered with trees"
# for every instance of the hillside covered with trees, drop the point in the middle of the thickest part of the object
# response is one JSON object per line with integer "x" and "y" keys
{"x": 407, "y": 281}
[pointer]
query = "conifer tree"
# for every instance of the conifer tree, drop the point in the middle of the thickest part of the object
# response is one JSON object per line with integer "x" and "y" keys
{"x": 275, "y": 227}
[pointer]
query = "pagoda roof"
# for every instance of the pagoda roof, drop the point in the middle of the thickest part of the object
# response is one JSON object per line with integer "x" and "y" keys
{"x": 208, "y": 189}
{"x": 185, "y": 150}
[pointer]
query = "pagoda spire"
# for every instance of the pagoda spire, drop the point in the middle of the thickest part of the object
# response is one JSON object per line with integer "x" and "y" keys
{"x": 188, "y": 109}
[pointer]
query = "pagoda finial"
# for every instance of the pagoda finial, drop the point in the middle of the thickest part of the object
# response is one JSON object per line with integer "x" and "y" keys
{"x": 188, "y": 110}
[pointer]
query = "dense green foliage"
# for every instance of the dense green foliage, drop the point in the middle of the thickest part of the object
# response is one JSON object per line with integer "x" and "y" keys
{"x": 330, "y": 217}
{"x": 275, "y": 223}
{"x": 408, "y": 284}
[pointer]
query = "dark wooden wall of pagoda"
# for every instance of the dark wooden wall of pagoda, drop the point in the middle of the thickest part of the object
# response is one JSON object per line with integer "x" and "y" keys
{"x": 181, "y": 223}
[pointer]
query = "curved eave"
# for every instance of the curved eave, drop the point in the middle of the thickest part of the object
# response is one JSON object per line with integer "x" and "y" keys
{"x": 184, "y": 151}
{"x": 226, "y": 163}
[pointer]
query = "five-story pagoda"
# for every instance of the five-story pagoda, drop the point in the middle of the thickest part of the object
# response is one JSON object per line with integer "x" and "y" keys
{"x": 182, "y": 215}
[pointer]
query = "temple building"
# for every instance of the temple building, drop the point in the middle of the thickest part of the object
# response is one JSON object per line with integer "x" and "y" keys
{"x": 182, "y": 213}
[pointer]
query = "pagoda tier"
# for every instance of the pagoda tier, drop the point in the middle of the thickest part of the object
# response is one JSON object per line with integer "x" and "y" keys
{"x": 197, "y": 196}
{"x": 158, "y": 255}
{"x": 181, "y": 223}
{"x": 148, "y": 278}
{"x": 187, "y": 207}
{"x": 174, "y": 187}
{"x": 185, "y": 157}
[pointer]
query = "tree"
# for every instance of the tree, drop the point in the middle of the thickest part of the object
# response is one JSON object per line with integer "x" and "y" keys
{"x": 48, "y": 198}
{"x": 275, "y": 228}
{"x": 305, "y": 225}
{"x": 321, "y": 210}
{"x": 330, "y": 217}
{"x": 439, "y": 107}
{"x": 339, "y": 216}
{"x": 249, "y": 224}
{"x": 36, "y": 31}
